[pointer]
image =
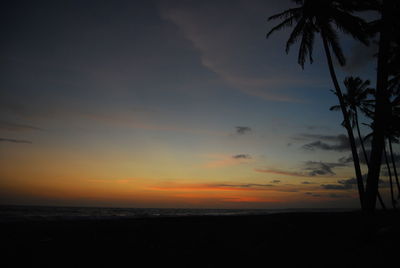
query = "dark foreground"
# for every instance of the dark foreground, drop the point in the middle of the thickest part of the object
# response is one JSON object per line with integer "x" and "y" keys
{"x": 277, "y": 240}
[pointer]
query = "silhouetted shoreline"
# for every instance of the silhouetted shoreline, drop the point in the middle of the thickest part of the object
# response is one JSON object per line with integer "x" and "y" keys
{"x": 335, "y": 239}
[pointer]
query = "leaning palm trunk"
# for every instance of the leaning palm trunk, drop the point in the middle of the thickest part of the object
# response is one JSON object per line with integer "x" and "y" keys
{"x": 390, "y": 178}
{"x": 360, "y": 137}
{"x": 394, "y": 167}
{"x": 381, "y": 201}
{"x": 365, "y": 154}
{"x": 381, "y": 96}
{"x": 339, "y": 94}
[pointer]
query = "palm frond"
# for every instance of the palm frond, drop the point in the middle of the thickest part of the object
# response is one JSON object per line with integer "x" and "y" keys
{"x": 285, "y": 14}
{"x": 286, "y": 23}
{"x": 334, "y": 108}
{"x": 306, "y": 45}
{"x": 352, "y": 25}
{"x": 295, "y": 34}
{"x": 333, "y": 41}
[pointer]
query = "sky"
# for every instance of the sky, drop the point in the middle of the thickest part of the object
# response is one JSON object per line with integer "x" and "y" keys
{"x": 168, "y": 104}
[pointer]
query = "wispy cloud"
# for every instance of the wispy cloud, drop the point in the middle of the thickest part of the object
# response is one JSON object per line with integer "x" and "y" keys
{"x": 307, "y": 182}
{"x": 336, "y": 186}
{"x": 312, "y": 194}
{"x": 281, "y": 172}
{"x": 249, "y": 185}
{"x": 321, "y": 168}
{"x": 325, "y": 146}
{"x": 219, "y": 161}
{"x": 351, "y": 183}
{"x": 310, "y": 169}
{"x": 242, "y": 130}
{"x": 14, "y": 140}
{"x": 224, "y": 187}
{"x": 241, "y": 156}
{"x": 229, "y": 49}
{"x": 335, "y": 195}
{"x": 346, "y": 159}
{"x": 346, "y": 184}
{"x": 10, "y": 126}
{"x": 339, "y": 143}
{"x": 182, "y": 187}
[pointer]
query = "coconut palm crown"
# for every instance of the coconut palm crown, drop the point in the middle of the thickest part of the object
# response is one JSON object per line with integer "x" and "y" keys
{"x": 356, "y": 96}
{"x": 325, "y": 17}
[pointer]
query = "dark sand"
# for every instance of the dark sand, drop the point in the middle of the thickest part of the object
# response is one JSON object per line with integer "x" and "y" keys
{"x": 276, "y": 240}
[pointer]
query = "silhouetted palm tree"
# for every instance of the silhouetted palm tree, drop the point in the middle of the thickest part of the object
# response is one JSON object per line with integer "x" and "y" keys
{"x": 391, "y": 132}
{"x": 325, "y": 17}
{"x": 356, "y": 98}
{"x": 388, "y": 30}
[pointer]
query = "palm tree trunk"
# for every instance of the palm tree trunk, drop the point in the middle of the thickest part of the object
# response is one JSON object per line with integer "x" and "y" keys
{"x": 366, "y": 156}
{"x": 339, "y": 94}
{"x": 390, "y": 178}
{"x": 381, "y": 201}
{"x": 360, "y": 137}
{"x": 394, "y": 167}
{"x": 378, "y": 143}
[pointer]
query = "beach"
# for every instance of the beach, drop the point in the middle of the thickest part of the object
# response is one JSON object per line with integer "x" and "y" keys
{"x": 337, "y": 239}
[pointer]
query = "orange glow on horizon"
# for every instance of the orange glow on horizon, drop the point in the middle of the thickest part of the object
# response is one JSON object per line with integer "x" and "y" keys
{"x": 205, "y": 188}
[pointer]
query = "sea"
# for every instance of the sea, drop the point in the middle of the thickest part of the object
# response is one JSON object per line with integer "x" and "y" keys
{"x": 13, "y": 213}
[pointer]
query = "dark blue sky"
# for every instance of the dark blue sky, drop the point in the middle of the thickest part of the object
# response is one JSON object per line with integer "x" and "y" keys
{"x": 154, "y": 90}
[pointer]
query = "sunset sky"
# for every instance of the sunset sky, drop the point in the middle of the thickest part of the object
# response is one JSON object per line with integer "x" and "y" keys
{"x": 168, "y": 104}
